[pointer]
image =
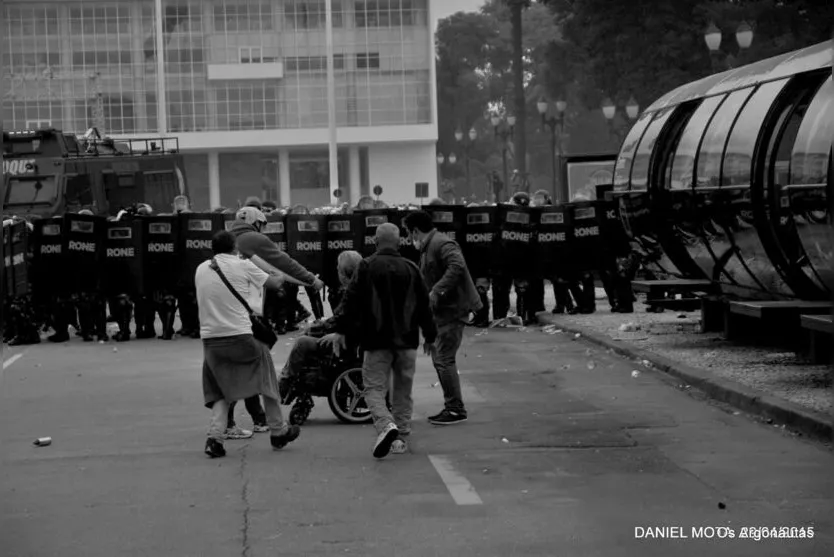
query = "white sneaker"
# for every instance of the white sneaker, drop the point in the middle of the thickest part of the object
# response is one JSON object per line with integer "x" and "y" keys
{"x": 238, "y": 433}
{"x": 384, "y": 440}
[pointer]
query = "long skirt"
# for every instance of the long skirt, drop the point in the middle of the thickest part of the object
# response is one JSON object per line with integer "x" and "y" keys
{"x": 237, "y": 367}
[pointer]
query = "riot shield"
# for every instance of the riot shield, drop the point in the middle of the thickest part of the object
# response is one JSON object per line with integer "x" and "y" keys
{"x": 343, "y": 234}
{"x": 229, "y": 221}
{"x": 196, "y": 232}
{"x": 306, "y": 240}
{"x": 85, "y": 253}
{"x": 16, "y": 259}
{"x": 552, "y": 250}
{"x": 586, "y": 241}
{"x": 450, "y": 220}
{"x": 407, "y": 248}
{"x": 513, "y": 255}
{"x": 480, "y": 231}
{"x": 162, "y": 252}
{"x": 614, "y": 235}
{"x": 370, "y": 220}
{"x": 275, "y": 230}
{"x": 50, "y": 268}
{"x": 124, "y": 258}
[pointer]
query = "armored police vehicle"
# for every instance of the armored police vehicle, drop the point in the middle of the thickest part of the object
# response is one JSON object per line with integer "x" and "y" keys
{"x": 47, "y": 173}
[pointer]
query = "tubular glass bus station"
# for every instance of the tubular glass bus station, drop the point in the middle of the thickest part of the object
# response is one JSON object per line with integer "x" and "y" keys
{"x": 729, "y": 178}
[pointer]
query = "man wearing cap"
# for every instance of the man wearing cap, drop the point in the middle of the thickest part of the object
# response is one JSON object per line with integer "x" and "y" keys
{"x": 251, "y": 242}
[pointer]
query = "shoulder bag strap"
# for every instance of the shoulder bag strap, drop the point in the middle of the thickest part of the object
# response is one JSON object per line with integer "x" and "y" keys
{"x": 231, "y": 288}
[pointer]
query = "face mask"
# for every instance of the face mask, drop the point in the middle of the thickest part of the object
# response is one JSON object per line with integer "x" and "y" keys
{"x": 417, "y": 244}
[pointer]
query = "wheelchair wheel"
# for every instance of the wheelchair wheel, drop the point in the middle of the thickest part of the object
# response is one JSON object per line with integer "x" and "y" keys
{"x": 347, "y": 398}
{"x": 301, "y": 410}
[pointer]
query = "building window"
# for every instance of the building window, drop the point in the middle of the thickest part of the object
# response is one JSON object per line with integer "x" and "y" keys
{"x": 311, "y": 14}
{"x": 387, "y": 13}
{"x": 250, "y": 55}
{"x": 243, "y": 18}
{"x": 27, "y": 22}
{"x": 185, "y": 60}
{"x": 247, "y": 106}
{"x": 313, "y": 63}
{"x": 367, "y": 60}
{"x": 100, "y": 20}
{"x": 38, "y": 124}
{"x": 182, "y": 18}
{"x": 95, "y": 58}
{"x": 30, "y": 62}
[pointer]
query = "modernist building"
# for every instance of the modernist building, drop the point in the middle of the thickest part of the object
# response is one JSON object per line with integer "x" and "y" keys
{"x": 244, "y": 88}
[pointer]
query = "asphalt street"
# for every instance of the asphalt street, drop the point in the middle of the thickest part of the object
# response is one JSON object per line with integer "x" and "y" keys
{"x": 566, "y": 453}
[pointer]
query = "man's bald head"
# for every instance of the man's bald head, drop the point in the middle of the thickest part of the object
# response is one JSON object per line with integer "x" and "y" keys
{"x": 388, "y": 236}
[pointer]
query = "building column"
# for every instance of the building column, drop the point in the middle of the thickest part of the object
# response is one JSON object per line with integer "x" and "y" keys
{"x": 214, "y": 179}
{"x": 284, "y": 177}
{"x": 355, "y": 174}
{"x": 137, "y": 47}
{"x": 68, "y": 102}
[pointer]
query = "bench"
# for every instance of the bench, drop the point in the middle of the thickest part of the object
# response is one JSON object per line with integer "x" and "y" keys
{"x": 783, "y": 315}
{"x": 663, "y": 294}
{"x": 821, "y": 329}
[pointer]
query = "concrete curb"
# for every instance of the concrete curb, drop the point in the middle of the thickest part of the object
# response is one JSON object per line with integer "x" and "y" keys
{"x": 808, "y": 422}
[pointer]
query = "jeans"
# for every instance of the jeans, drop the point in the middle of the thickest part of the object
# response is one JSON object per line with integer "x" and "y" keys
{"x": 305, "y": 358}
{"x": 448, "y": 342}
{"x": 377, "y": 369}
{"x": 253, "y": 406}
{"x": 220, "y": 415}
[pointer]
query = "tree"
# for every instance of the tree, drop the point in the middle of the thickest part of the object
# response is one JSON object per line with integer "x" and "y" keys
{"x": 647, "y": 48}
{"x": 516, "y": 7}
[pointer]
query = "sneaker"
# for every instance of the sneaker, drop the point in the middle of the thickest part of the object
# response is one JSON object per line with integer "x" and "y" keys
{"x": 436, "y": 416}
{"x": 260, "y": 428}
{"x": 214, "y": 448}
{"x": 447, "y": 417}
{"x": 237, "y": 433}
{"x": 399, "y": 447}
{"x": 281, "y": 441}
{"x": 384, "y": 440}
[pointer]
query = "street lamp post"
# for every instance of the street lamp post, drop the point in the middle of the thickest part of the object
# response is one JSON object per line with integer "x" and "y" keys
{"x": 441, "y": 160}
{"x": 713, "y": 37}
{"x": 459, "y": 137}
{"x": 504, "y": 133}
{"x": 554, "y": 122}
{"x": 609, "y": 110}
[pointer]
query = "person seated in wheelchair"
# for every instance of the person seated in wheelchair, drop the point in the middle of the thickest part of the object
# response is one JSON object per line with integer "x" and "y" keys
{"x": 313, "y": 352}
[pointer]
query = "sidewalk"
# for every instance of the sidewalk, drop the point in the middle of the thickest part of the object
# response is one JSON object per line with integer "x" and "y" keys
{"x": 798, "y": 418}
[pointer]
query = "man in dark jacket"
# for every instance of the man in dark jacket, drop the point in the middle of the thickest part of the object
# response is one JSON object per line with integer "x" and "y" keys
{"x": 388, "y": 299}
{"x": 453, "y": 297}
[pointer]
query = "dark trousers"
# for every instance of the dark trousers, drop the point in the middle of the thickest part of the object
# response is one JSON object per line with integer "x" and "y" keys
{"x": 189, "y": 313}
{"x": 121, "y": 309}
{"x": 482, "y": 316}
{"x": 449, "y": 338}
{"x": 561, "y": 292}
{"x": 253, "y": 406}
{"x": 501, "y": 286}
{"x": 92, "y": 315}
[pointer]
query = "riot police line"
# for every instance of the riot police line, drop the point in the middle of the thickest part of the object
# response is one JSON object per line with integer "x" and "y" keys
{"x": 144, "y": 266}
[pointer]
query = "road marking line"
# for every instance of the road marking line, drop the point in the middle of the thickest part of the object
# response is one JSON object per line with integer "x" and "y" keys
{"x": 459, "y": 487}
{"x": 11, "y": 360}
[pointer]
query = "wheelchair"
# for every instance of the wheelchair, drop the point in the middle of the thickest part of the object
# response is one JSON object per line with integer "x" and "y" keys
{"x": 339, "y": 379}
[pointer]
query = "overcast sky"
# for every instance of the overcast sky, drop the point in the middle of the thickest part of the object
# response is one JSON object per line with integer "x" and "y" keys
{"x": 445, "y": 8}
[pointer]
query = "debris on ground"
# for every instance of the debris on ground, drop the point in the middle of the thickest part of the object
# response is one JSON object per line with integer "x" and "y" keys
{"x": 635, "y": 374}
{"x": 551, "y": 329}
{"x": 630, "y": 327}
